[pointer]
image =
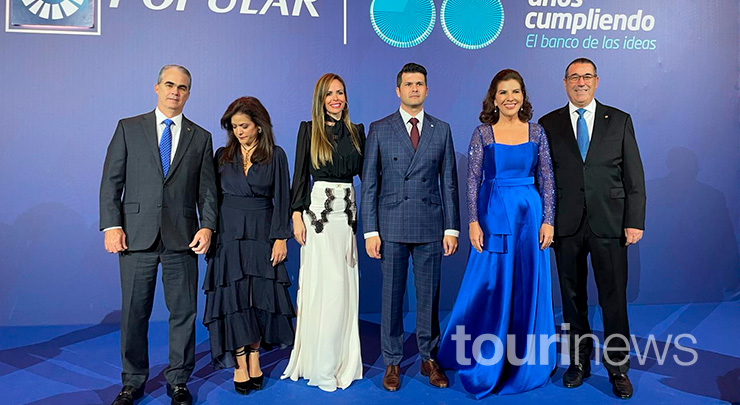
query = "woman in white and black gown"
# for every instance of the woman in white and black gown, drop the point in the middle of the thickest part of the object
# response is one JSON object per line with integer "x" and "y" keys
{"x": 329, "y": 150}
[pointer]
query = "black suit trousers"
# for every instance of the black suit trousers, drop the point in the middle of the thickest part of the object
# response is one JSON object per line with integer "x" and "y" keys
{"x": 609, "y": 262}
{"x": 138, "y": 281}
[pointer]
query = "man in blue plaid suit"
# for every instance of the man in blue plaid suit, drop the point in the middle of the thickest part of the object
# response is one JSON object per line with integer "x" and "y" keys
{"x": 410, "y": 208}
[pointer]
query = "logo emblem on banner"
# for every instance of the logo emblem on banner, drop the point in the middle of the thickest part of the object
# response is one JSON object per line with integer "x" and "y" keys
{"x": 472, "y": 24}
{"x": 53, "y": 16}
{"x": 469, "y": 24}
{"x": 402, "y": 24}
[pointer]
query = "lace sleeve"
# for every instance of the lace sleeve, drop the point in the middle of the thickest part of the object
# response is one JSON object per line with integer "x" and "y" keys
{"x": 545, "y": 178}
{"x": 475, "y": 167}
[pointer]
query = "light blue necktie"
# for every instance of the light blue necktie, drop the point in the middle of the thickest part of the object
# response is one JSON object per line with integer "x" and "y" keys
{"x": 582, "y": 133}
{"x": 165, "y": 146}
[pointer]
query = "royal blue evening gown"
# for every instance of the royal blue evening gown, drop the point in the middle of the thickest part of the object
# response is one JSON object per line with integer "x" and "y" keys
{"x": 506, "y": 290}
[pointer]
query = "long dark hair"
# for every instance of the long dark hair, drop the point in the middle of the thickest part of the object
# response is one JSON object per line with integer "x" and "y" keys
{"x": 489, "y": 113}
{"x": 251, "y": 107}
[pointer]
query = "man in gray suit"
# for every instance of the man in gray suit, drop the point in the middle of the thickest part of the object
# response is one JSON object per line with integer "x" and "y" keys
{"x": 162, "y": 165}
{"x": 410, "y": 208}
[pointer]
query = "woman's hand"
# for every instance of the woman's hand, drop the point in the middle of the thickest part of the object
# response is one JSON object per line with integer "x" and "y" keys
{"x": 279, "y": 251}
{"x": 476, "y": 236}
{"x": 547, "y": 233}
{"x": 299, "y": 229}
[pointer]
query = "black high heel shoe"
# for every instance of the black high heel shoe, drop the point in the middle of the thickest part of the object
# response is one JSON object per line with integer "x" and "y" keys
{"x": 242, "y": 387}
{"x": 255, "y": 382}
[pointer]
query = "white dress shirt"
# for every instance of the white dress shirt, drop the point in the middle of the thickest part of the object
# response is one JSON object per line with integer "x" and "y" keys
{"x": 406, "y": 117}
{"x": 588, "y": 116}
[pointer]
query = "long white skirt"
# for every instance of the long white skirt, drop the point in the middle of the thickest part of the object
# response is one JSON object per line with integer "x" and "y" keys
{"x": 327, "y": 339}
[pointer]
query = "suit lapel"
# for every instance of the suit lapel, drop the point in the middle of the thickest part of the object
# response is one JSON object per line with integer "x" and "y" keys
{"x": 601, "y": 120}
{"x": 427, "y": 133}
{"x": 399, "y": 129}
{"x": 149, "y": 125}
{"x": 186, "y": 135}
{"x": 567, "y": 134}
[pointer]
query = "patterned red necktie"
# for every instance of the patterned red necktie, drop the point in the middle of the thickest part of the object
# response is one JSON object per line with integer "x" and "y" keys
{"x": 414, "y": 132}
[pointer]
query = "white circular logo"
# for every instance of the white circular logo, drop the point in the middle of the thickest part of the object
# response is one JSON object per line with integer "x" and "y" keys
{"x": 402, "y": 24}
{"x": 51, "y": 9}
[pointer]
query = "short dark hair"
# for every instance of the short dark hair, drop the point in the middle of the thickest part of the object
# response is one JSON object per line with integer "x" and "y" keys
{"x": 182, "y": 70}
{"x": 411, "y": 67}
{"x": 489, "y": 113}
{"x": 253, "y": 108}
{"x": 580, "y": 60}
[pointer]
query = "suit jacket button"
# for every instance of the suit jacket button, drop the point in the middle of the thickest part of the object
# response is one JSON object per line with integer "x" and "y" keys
{"x": 159, "y": 205}
{"x": 423, "y": 180}
{"x": 423, "y": 200}
{"x": 406, "y": 179}
{"x": 395, "y": 158}
{"x": 406, "y": 198}
{"x": 581, "y": 188}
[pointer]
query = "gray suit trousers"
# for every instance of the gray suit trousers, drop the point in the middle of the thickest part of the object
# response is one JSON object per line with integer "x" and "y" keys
{"x": 138, "y": 280}
{"x": 394, "y": 263}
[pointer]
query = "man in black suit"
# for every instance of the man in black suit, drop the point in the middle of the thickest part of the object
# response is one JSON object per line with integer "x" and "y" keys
{"x": 600, "y": 210}
{"x": 162, "y": 164}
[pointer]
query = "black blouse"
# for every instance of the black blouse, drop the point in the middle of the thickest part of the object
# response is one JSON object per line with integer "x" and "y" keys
{"x": 347, "y": 162}
{"x": 269, "y": 180}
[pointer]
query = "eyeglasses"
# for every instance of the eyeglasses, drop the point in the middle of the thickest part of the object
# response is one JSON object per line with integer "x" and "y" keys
{"x": 575, "y": 77}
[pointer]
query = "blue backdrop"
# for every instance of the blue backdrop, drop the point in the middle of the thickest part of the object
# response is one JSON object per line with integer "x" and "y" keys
{"x": 63, "y": 95}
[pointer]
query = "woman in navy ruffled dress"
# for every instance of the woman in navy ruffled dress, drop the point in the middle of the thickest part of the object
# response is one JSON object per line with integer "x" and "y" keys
{"x": 246, "y": 284}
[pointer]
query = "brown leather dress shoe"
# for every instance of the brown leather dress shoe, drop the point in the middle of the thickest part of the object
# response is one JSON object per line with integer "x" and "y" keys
{"x": 431, "y": 369}
{"x": 392, "y": 378}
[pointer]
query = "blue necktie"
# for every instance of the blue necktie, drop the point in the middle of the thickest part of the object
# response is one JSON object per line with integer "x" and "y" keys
{"x": 582, "y": 133}
{"x": 165, "y": 146}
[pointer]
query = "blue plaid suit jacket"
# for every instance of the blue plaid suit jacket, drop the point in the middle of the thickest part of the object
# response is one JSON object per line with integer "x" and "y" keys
{"x": 409, "y": 196}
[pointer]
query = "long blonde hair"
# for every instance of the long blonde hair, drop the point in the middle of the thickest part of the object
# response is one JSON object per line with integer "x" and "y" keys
{"x": 321, "y": 148}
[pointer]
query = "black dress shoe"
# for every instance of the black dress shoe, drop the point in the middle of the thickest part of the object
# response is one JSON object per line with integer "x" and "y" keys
{"x": 575, "y": 374}
{"x": 243, "y": 387}
{"x": 128, "y": 395}
{"x": 256, "y": 382}
{"x": 621, "y": 385}
{"x": 179, "y": 394}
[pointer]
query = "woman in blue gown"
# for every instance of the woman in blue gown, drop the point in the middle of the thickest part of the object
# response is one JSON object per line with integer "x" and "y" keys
{"x": 504, "y": 306}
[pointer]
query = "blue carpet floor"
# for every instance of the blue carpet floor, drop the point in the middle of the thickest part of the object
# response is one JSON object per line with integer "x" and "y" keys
{"x": 81, "y": 365}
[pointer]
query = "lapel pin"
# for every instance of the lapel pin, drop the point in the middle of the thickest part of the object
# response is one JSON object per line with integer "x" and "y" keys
{"x": 188, "y": 129}
{"x": 606, "y": 116}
